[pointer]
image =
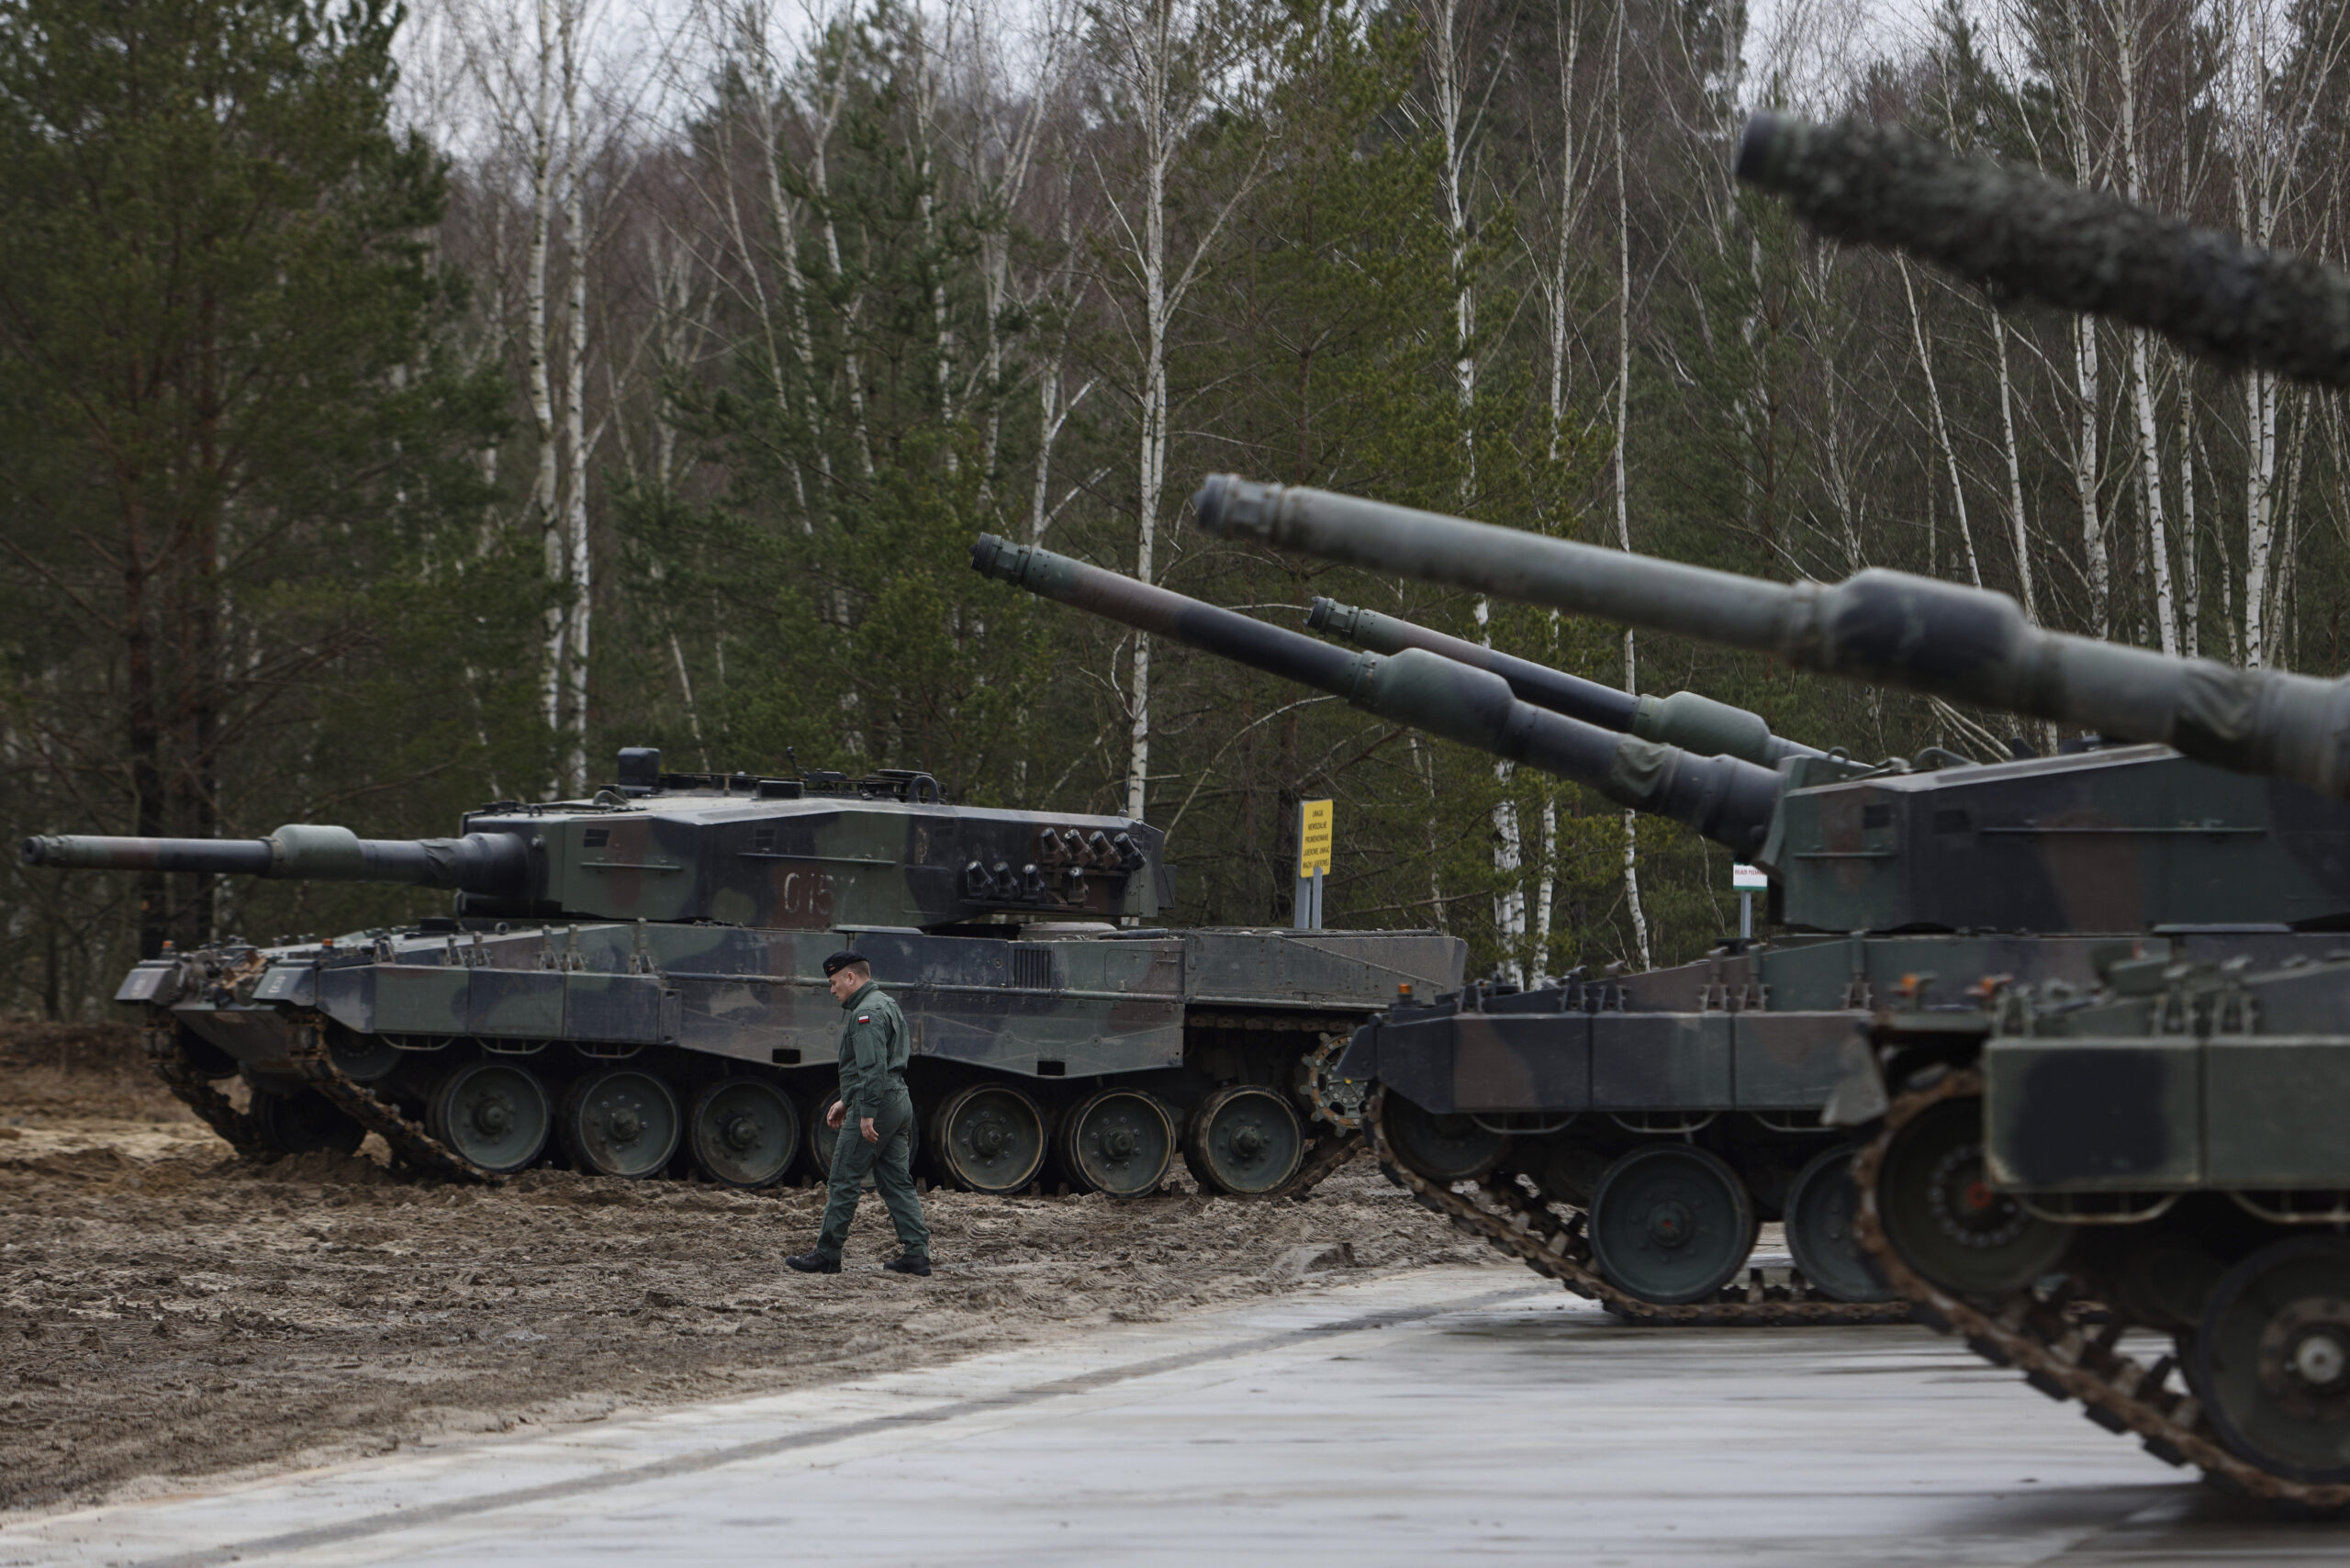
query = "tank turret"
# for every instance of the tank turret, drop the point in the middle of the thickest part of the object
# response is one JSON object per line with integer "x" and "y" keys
{"x": 811, "y": 851}
{"x": 1686, "y": 719}
{"x": 2029, "y": 237}
{"x": 1729, "y": 800}
{"x": 1937, "y": 638}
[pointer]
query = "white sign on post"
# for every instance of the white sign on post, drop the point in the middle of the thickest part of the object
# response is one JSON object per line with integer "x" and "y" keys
{"x": 1746, "y": 881}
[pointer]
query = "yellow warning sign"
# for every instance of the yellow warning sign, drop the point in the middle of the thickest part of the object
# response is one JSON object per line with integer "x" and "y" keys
{"x": 1315, "y": 822}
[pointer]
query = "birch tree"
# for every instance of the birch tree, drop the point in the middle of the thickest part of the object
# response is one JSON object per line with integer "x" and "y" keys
{"x": 1163, "y": 64}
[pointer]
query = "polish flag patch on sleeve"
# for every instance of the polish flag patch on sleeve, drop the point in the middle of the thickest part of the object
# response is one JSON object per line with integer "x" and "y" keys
{"x": 865, "y": 1017}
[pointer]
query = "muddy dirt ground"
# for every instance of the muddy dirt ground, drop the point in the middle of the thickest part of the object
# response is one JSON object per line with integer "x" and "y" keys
{"x": 168, "y": 1310}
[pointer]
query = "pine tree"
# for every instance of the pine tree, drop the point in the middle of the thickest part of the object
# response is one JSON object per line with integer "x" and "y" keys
{"x": 234, "y": 450}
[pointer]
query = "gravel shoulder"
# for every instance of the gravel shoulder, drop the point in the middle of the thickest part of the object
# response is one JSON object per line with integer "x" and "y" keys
{"x": 169, "y": 1311}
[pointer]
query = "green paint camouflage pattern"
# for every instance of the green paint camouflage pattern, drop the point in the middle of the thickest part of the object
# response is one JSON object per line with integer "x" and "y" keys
{"x": 689, "y": 915}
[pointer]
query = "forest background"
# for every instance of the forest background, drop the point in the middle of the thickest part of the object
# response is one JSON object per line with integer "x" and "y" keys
{"x": 401, "y": 410}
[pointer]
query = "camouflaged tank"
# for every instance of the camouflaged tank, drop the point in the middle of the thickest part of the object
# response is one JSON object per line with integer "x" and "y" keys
{"x": 632, "y": 983}
{"x": 2064, "y": 1141}
{"x": 1627, "y": 1133}
{"x": 2169, "y": 1141}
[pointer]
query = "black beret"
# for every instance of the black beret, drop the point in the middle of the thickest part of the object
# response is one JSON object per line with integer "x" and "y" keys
{"x": 842, "y": 960}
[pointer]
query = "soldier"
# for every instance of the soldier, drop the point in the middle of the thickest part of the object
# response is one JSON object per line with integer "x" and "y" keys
{"x": 874, "y": 1102}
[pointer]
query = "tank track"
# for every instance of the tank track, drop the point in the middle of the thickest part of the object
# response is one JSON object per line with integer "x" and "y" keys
{"x": 410, "y": 1144}
{"x": 1324, "y": 1158}
{"x": 167, "y": 1055}
{"x": 2055, "y": 1350}
{"x": 1513, "y": 1222}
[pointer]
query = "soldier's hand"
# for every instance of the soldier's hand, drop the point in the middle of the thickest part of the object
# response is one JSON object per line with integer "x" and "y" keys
{"x": 864, "y": 1125}
{"x": 832, "y": 1117}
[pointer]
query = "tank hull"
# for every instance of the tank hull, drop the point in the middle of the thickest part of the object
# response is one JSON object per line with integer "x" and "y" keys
{"x": 1059, "y": 1015}
{"x": 1736, "y": 1056}
{"x": 2167, "y": 1146}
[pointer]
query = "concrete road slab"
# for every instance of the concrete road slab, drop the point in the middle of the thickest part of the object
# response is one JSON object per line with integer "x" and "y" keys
{"x": 1458, "y": 1414}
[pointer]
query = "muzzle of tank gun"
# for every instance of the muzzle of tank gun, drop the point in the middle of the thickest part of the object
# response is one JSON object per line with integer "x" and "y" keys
{"x": 1686, "y": 719}
{"x": 478, "y": 862}
{"x": 1966, "y": 644}
{"x": 1728, "y": 800}
{"x": 2027, "y": 237}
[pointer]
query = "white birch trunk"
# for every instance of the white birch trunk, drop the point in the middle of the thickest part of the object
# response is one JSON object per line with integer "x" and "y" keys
{"x": 2073, "y": 105}
{"x": 783, "y": 223}
{"x": 1449, "y": 87}
{"x": 2020, "y": 532}
{"x": 582, "y": 564}
{"x": 2259, "y": 510}
{"x": 1623, "y": 489}
{"x": 1557, "y": 306}
{"x": 2150, "y": 492}
{"x": 2128, "y": 39}
{"x": 2254, "y": 168}
{"x": 852, "y": 308}
{"x": 925, "y": 108}
{"x": 2191, "y": 535}
{"x": 2085, "y": 476}
{"x": 1151, "y": 455}
{"x": 2293, "y": 432}
{"x": 1942, "y": 425}
{"x": 1143, "y": 39}
{"x": 538, "y": 372}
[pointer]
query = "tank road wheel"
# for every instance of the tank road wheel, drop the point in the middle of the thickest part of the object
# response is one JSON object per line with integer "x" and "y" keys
{"x": 743, "y": 1132}
{"x": 1671, "y": 1222}
{"x": 1446, "y": 1148}
{"x": 2273, "y": 1360}
{"x": 304, "y": 1122}
{"x": 1941, "y": 1215}
{"x": 1120, "y": 1142}
{"x": 1819, "y": 1208}
{"x": 622, "y": 1121}
{"x": 990, "y": 1139}
{"x": 494, "y": 1114}
{"x": 1245, "y": 1140}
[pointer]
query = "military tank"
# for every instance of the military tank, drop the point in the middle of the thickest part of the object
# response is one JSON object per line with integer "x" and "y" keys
{"x": 1626, "y": 1134}
{"x": 2170, "y": 1142}
{"x": 632, "y": 983}
{"x": 2160, "y": 1137}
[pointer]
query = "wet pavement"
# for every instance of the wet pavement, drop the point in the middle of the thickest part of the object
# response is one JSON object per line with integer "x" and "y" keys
{"x": 1466, "y": 1413}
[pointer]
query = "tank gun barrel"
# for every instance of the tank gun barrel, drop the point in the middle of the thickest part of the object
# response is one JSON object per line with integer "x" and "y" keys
{"x": 2030, "y": 237}
{"x": 1726, "y": 799}
{"x": 1966, "y": 644}
{"x": 477, "y": 863}
{"x": 1686, "y": 719}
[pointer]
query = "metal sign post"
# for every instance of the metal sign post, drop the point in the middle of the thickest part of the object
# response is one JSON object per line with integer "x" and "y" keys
{"x": 1315, "y": 821}
{"x": 1747, "y": 880}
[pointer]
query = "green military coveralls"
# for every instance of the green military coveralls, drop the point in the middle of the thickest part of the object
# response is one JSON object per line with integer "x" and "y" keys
{"x": 873, "y": 1083}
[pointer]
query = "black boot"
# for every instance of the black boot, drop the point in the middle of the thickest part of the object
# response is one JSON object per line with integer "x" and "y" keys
{"x": 815, "y": 1263}
{"x": 909, "y": 1263}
